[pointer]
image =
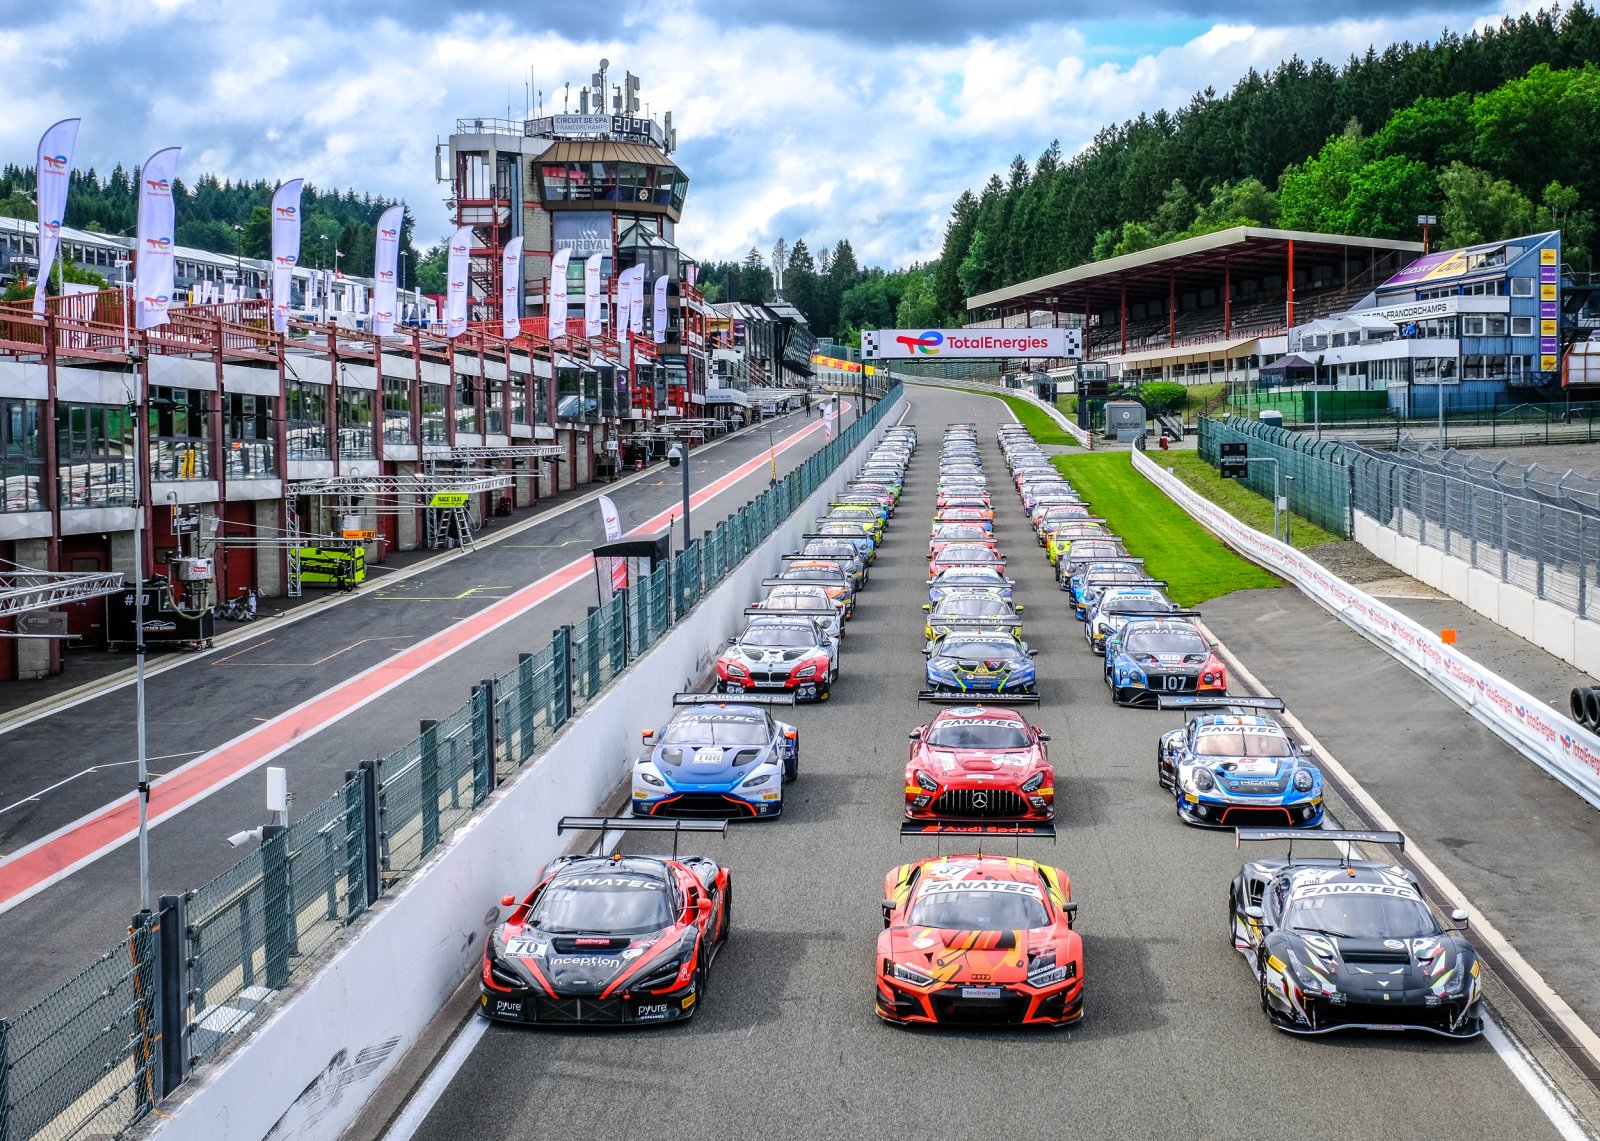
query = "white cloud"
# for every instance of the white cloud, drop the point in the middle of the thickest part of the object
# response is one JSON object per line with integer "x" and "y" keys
{"x": 798, "y": 131}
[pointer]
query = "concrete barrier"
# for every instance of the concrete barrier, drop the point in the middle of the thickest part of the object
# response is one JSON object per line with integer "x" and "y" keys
{"x": 1551, "y": 740}
{"x": 304, "y": 1074}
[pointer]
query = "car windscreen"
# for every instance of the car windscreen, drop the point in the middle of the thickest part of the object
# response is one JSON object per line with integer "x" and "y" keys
{"x": 965, "y": 733}
{"x": 963, "y": 553}
{"x": 778, "y": 637}
{"x": 980, "y": 906}
{"x": 1241, "y": 741}
{"x": 980, "y": 648}
{"x": 1184, "y": 642}
{"x": 971, "y": 608}
{"x": 832, "y": 576}
{"x": 823, "y": 549}
{"x": 1360, "y": 911}
{"x": 700, "y": 729}
{"x": 960, "y": 531}
{"x": 1139, "y": 604}
{"x": 603, "y": 903}
{"x": 970, "y": 575}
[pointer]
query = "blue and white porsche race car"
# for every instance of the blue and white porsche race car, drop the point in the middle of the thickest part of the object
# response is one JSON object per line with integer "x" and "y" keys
{"x": 1230, "y": 765}
{"x": 718, "y": 756}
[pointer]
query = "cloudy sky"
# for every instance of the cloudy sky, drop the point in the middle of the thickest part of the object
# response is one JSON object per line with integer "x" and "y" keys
{"x": 818, "y": 119}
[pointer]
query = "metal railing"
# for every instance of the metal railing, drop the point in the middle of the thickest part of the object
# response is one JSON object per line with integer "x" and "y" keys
{"x": 1526, "y": 526}
{"x": 97, "y": 1053}
{"x": 1320, "y": 489}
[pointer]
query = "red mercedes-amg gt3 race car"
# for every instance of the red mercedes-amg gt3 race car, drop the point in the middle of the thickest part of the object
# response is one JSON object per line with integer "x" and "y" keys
{"x": 979, "y": 939}
{"x": 977, "y": 762}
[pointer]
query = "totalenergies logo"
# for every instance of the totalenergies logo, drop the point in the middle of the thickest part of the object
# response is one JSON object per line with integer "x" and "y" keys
{"x": 458, "y": 249}
{"x": 158, "y": 245}
{"x": 159, "y": 301}
{"x": 53, "y": 229}
{"x": 388, "y": 235}
{"x": 457, "y": 286}
{"x": 287, "y": 213}
{"x": 286, "y": 259}
{"x": 385, "y": 275}
{"x": 158, "y": 186}
{"x": 926, "y": 345}
{"x": 53, "y": 164}
{"x": 384, "y": 315}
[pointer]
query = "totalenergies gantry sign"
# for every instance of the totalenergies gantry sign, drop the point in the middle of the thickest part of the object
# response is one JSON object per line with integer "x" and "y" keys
{"x": 924, "y": 344}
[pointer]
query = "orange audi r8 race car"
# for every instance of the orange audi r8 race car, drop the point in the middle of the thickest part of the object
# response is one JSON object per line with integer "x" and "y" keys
{"x": 979, "y": 939}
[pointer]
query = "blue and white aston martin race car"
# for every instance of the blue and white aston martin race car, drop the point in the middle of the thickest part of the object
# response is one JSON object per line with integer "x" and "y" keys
{"x": 718, "y": 756}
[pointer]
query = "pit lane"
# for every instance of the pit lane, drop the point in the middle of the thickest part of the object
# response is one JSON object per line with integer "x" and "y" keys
{"x": 1173, "y": 1043}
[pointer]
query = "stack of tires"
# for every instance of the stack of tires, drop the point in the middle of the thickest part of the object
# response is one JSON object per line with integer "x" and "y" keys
{"x": 1586, "y": 707}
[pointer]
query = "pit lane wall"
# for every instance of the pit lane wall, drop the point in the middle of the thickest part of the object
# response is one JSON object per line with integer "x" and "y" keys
{"x": 306, "y": 1072}
{"x": 1551, "y": 627}
{"x": 1555, "y": 743}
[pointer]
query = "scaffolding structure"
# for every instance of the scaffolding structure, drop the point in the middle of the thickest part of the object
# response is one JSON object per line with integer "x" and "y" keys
{"x": 24, "y": 590}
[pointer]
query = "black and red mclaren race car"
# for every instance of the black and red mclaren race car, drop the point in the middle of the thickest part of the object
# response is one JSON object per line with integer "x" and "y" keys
{"x": 610, "y": 940}
{"x": 979, "y": 762}
{"x": 979, "y": 939}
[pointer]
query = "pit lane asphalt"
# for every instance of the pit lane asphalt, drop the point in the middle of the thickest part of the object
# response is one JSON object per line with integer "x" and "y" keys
{"x": 786, "y": 1043}
{"x": 212, "y": 699}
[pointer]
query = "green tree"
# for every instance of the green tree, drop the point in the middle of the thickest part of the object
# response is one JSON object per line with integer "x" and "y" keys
{"x": 865, "y": 305}
{"x": 1312, "y": 195}
{"x": 1477, "y": 207}
{"x": 432, "y": 268}
{"x": 919, "y": 303}
{"x": 1135, "y": 236}
{"x": 974, "y": 270}
{"x": 1162, "y": 395}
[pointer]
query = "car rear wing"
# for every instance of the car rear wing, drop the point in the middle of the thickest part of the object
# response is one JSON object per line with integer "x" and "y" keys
{"x": 1331, "y": 835}
{"x": 768, "y": 583}
{"x": 639, "y": 824}
{"x": 978, "y": 698}
{"x": 1043, "y": 830}
{"x": 1111, "y": 578}
{"x": 805, "y": 558}
{"x": 999, "y": 621}
{"x": 1130, "y": 615}
{"x": 1231, "y": 704}
{"x": 853, "y": 534}
{"x": 785, "y": 612}
{"x": 733, "y": 699}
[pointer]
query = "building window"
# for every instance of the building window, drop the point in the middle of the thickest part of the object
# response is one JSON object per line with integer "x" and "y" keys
{"x": 249, "y": 451}
{"x": 94, "y": 455}
{"x": 306, "y": 409}
{"x": 435, "y": 405}
{"x": 494, "y": 415}
{"x": 466, "y": 404}
{"x": 22, "y": 455}
{"x": 1522, "y": 326}
{"x": 1472, "y": 326}
{"x": 1495, "y": 325}
{"x": 1522, "y": 287}
{"x": 397, "y": 411}
{"x": 355, "y": 424}
{"x": 519, "y": 398}
{"x": 180, "y": 434}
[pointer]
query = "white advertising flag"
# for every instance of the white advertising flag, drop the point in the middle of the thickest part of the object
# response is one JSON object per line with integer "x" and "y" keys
{"x": 386, "y": 267}
{"x": 285, "y": 249}
{"x": 593, "y": 325}
{"x": 153, "y": 283}
{"x": 827, "y": 421}
{"x": 558, "y": 293}
{"x": 613, "y": 525}
{"x": 636, "y": 300}
{"x": 54, "y": 175}
{"x": 455, "y": 309}
{"x": 620, "y": 297}
{"x": 659, "y": 315}
{"x": 511, "y": 290}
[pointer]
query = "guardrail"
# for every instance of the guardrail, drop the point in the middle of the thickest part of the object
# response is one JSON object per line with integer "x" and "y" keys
{"x": 96, "y": 1054}
{"x": 1556, "y": 743}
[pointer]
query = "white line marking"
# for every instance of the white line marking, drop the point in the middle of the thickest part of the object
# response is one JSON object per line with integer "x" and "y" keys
{"x": 1528, "y": 1072}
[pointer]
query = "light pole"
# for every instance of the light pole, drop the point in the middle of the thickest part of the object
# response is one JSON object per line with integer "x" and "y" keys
{"x": 238, "y": 260}
{"x": 1287, "y": 514}
{"x": 678, "y": 456}
{"x": 135, "y": 410}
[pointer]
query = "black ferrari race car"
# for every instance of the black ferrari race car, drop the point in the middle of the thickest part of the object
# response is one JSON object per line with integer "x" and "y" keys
{"x": 610, "y": 940}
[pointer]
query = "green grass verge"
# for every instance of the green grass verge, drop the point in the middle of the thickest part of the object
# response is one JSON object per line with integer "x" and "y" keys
{"x": 1037, "y": 421}
{"x": 1176, "y": 548}
{"x": 1238, "y": 500}
{"x": 1196, "y": 396}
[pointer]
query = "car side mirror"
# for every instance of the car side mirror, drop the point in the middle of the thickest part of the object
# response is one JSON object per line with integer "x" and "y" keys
{"x": 927, "y": 606}
{"x": 647, "y": 735}
{"x": 1460, "y": 916}
{"x": 705, "y": 905}
{"x": 733, "y": 640}
{"x": 888, "y": 904}
{"x": 914, "y": 734}
{"x": 1070, "y": 908}
{"x": 1019, "y": 609}
{"x": 1254, "y": 912}
{"x": 1044, "y": 736}
{"x": 1033, "y": 653}
{"x": 508, "y": 901}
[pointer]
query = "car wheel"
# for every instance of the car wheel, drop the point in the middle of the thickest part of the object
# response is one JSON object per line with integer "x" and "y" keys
{"x": 726, "y": 927}
{"x": 822, "y": 692}
{"x": 1118, "y": 696}
{"x": 1161, "y": 771}
{"x": 791, "y": 765}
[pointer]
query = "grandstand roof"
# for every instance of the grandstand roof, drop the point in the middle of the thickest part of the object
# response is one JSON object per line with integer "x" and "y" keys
{"x": 1193, "y": 263}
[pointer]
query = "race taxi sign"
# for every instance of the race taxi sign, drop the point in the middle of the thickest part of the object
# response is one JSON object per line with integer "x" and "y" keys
{"x": 367, "y": 535}
{"x": 449, "y": 499}
{"x": 922, "y": 344}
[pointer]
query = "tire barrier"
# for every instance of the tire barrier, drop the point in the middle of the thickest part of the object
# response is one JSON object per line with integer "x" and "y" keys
{"x": 1586, "y": 707}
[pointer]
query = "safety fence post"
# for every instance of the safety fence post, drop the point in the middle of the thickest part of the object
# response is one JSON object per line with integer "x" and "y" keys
{"x": 525, "y": 704}
{"x": 173, "y": 963}
{"x": 276, "y": 904}
{"x": 428, "y": 776}
{"x": 365, "y": 805}
{"x": 486, "y": 754}
{"x": 562, "y": 636}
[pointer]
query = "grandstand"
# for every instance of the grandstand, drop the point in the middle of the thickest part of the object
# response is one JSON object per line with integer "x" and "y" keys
{"x": 1213, "y": 307}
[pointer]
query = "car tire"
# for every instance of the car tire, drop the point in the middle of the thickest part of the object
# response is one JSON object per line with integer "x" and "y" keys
{"x": 726, "y": 927}
{"x": 791, "y": 769}
{"x": 823, "y": 692}
{"x": 1161, "y": 773}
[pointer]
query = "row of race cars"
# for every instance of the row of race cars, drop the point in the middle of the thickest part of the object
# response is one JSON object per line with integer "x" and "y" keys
{"x": 1334, "y": 941}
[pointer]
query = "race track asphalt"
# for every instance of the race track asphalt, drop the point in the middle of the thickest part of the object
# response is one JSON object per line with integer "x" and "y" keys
{"x": 786, "y": 1044}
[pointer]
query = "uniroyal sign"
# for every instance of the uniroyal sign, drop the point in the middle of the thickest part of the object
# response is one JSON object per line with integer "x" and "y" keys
{"x": 918, "y": 344}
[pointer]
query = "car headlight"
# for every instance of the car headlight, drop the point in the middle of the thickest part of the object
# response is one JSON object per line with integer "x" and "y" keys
{"x": 650, "y": 779}
{"x": 1303, "y": 781}
{"x": 806, "y": 671}
{"x": 1033, "y": 782}
{"x": 1203, "y": 780}
{"x": 757, "y": 779}
{"x": 905, "y": 972}
{"x": 735, "y": 669}
{"x": 926, "y": 781}
{"x": 662, "y": 976}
